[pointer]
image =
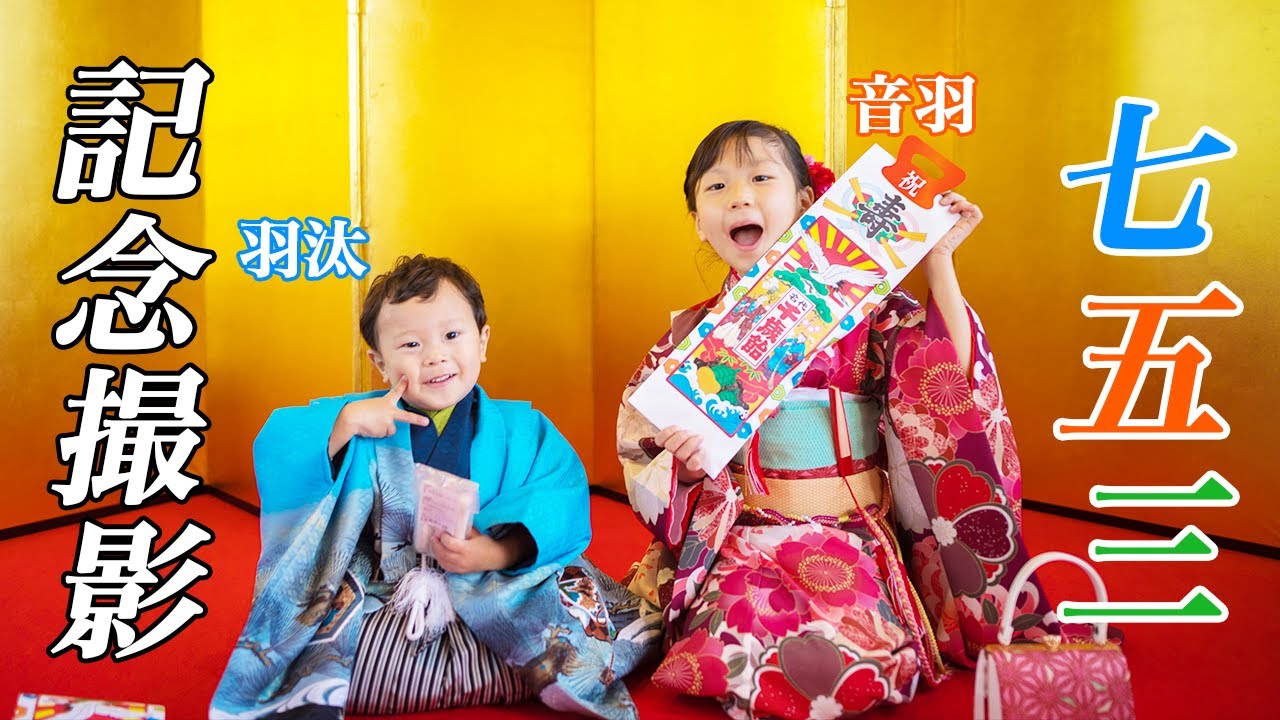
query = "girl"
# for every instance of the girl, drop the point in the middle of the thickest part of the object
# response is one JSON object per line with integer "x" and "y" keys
{"x": 796, "y": 599}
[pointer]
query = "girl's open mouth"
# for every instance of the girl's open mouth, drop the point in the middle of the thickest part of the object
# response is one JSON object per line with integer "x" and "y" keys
{"x": 746, "y": 235}
{"x": 442, "y": 379}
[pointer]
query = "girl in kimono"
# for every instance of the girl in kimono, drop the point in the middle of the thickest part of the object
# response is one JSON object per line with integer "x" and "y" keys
{"x": 347, "y": 615}
{"x": 865, "y": 536}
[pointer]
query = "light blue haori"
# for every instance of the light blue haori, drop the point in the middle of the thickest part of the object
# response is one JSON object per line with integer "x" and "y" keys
{"x": 320, "y": 570}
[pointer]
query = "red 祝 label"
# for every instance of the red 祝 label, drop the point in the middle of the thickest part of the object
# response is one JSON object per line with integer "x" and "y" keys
{"x": 916, "y": 183}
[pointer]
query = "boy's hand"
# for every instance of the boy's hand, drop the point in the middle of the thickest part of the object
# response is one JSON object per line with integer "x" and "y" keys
{"x": 970, "y": 216}
{"x": 373, "y": 417}
{"x": 686, "y": 447}
{"x": 478, "y": 553}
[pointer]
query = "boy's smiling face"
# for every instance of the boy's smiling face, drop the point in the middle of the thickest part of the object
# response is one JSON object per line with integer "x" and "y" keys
{"x": 435, "y": 344}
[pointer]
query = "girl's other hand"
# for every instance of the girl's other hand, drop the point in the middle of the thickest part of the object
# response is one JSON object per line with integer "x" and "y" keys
{"x": 686, "y": 447}
{"x": 970, "y": 216}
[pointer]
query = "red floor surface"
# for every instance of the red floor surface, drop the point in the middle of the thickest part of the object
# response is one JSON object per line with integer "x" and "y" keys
{"x": 1179, "y": 671}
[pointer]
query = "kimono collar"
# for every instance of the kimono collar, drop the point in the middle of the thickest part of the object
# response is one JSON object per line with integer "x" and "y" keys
{"x": 730, "y": 280}
{"x": 440, "y": 418}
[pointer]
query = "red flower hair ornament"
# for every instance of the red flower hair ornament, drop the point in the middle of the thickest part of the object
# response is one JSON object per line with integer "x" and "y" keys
{"x": 820, "y": 176}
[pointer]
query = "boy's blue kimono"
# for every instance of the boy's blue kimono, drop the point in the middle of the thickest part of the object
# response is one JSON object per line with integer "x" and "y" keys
{"x": 321, "y": 570}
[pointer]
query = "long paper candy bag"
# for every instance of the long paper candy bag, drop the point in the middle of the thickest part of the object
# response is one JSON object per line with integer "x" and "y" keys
{"x": 813, "y": 287}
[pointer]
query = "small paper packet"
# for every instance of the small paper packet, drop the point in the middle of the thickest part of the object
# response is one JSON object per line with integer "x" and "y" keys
{"x": 446, "y": 503}
{"x": 54, "y": 707}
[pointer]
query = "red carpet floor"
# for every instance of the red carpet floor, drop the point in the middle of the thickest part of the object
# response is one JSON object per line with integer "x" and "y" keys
{"x": 1179, "y": 671}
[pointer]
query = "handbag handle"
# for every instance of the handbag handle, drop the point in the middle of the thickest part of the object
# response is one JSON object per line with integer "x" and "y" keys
{"x": 1005, "y": 635}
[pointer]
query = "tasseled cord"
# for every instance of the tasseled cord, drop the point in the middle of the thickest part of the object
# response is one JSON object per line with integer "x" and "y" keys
{"x": 423, "y": 595}
{"x": 755, "y": 474}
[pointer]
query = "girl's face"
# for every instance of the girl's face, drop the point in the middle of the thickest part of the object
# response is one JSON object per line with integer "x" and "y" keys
{"x": 746, "y": 201}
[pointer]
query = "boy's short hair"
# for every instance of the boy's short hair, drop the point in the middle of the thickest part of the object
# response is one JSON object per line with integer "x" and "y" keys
{"x": 417, "y": 277}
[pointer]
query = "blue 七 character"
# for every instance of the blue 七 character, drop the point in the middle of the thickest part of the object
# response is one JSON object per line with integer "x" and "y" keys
{"x": 1115, "y": 232}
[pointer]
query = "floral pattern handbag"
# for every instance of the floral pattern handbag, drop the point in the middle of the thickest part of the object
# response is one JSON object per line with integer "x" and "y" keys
{"x": 1051, "y": 679}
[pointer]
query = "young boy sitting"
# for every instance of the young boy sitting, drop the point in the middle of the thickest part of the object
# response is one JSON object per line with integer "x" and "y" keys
{"x": 337, "y": 486}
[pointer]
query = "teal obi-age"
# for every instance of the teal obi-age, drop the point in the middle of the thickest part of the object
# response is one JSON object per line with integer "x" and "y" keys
{"x": 795, "y": 460}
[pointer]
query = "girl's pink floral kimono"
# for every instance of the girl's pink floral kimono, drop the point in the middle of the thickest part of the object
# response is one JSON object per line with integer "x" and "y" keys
{"x": 779, "y": 598}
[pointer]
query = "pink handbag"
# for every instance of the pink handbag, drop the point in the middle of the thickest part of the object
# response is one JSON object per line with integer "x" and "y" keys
{"x": 1051, "y": 679}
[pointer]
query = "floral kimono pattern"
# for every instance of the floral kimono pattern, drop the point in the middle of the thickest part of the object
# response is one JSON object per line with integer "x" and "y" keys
{"x": 826, "y": 615}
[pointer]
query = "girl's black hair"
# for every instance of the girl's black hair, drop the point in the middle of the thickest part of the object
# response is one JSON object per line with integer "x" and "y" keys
{"x": 736, "y": 133}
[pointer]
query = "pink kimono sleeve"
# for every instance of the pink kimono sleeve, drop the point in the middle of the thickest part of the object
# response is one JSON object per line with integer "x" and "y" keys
{"x": 956, "y": 481}
{"x": 689, "y": 521}
{"x": 649, "y": 471}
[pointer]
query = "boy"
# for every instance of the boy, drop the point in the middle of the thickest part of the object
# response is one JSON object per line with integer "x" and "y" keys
{"x": 338, "y": 499}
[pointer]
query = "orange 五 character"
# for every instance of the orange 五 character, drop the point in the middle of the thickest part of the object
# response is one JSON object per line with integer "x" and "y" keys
{"x": 1181, "y": 417}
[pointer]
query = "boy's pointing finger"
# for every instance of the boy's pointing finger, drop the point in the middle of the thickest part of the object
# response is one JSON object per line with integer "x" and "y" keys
{"x": 397, "y": 391}
{"x": 412, "y": 418}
